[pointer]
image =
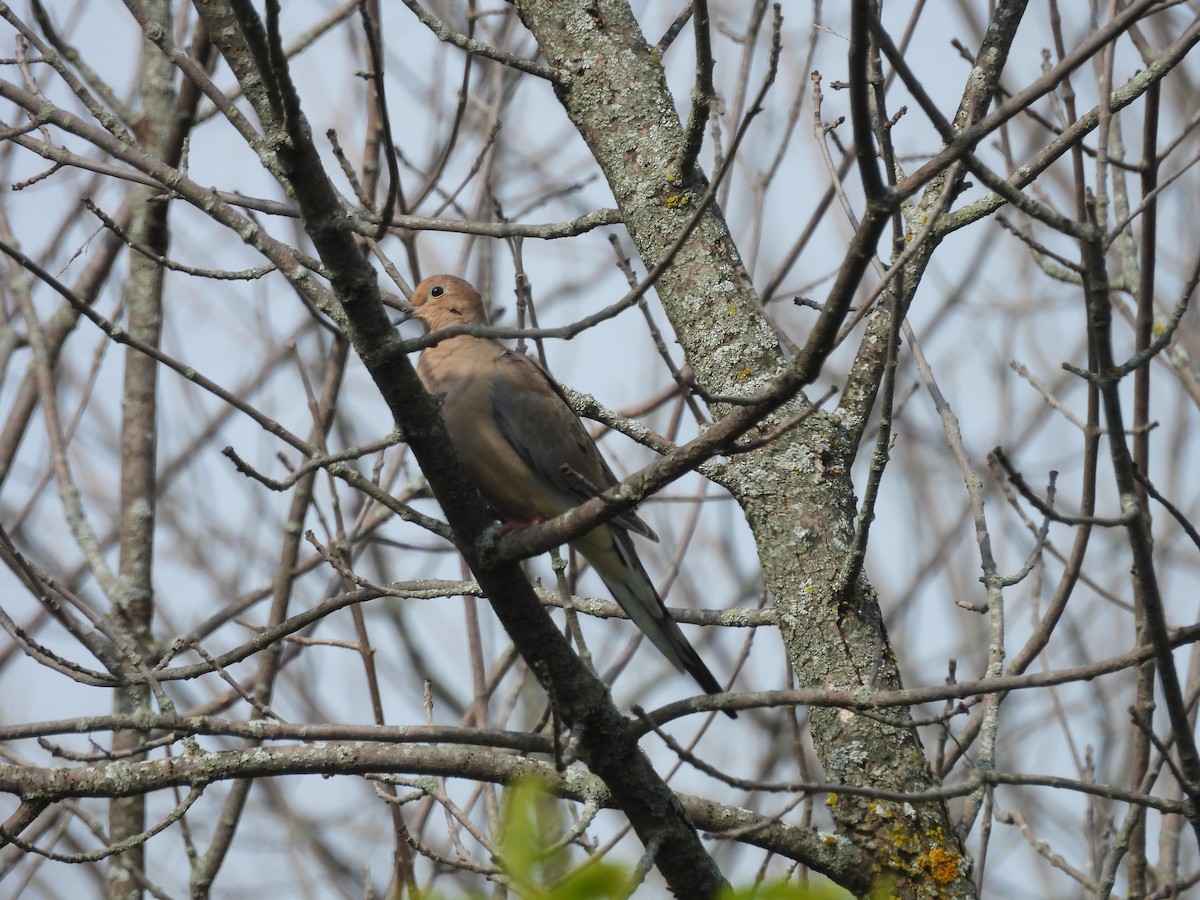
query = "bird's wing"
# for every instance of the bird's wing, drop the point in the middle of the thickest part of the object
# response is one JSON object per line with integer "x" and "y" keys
{"x": 536, "y": 420}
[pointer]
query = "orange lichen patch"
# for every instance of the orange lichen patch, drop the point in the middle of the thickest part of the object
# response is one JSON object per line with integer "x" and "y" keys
{"x": 941, "y": 864}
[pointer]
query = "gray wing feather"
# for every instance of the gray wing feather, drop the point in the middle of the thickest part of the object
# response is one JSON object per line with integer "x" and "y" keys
{"x": 545, "y": 432}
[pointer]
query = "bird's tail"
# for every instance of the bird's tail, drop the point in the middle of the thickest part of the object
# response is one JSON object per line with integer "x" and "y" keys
{"x": 612, "y": 554}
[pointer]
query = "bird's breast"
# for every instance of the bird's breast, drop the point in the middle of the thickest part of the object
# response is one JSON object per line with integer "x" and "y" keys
{"x": 504, "y": 479}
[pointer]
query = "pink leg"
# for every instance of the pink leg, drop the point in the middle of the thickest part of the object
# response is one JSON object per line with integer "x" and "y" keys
{"x": 507, "y": 525}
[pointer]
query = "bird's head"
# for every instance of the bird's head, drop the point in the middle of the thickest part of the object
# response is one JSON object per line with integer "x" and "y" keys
{"x": 442, "y": 301}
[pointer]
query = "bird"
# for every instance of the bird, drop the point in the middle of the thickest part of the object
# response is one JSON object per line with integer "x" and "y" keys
{"x": 532, "y": 458}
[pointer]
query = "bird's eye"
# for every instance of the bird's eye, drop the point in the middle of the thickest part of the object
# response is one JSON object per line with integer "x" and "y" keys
{"x": 436, "y": 291}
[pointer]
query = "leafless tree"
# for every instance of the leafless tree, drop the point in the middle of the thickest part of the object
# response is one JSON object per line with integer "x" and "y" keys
{"x": 888, "y": 304}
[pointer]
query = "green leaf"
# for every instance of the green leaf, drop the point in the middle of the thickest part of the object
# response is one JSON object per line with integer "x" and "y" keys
{"x": 788, "y": 890}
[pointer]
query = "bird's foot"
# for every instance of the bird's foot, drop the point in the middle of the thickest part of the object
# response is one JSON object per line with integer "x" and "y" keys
{"x": 513, "y": 525}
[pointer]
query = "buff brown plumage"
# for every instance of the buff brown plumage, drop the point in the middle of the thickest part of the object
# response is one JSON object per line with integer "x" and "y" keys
{"x": 531, "y": 457}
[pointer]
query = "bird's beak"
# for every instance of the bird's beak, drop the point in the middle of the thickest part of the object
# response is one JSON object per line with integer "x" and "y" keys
{"x": 405, "y": 315}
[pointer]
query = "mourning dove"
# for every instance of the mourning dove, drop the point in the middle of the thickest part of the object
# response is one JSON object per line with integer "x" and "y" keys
{"x": 531, "y": 457}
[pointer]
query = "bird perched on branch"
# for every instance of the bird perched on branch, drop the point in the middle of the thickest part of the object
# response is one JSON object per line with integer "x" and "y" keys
{"x": 531, "y": 457}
